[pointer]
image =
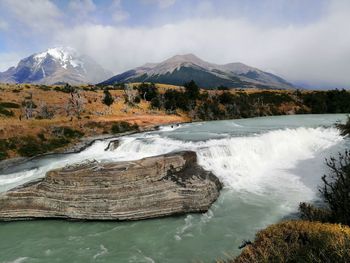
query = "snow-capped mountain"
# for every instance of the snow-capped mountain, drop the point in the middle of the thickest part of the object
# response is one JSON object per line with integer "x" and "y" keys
{"x": 56, "y": 65}
{"x": 183, "y": 68}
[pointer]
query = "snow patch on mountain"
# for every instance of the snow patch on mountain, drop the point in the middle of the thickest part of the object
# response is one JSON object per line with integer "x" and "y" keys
{"x": 66, "y": 56}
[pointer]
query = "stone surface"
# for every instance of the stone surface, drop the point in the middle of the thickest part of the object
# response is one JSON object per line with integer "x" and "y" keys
{"x": 113, "y": 145}
{"x": 152, "y": 187}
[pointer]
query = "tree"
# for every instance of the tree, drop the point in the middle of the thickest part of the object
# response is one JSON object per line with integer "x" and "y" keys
{"x": 147, "y": 91}
{"x": 191, "y": 90}
{"x": 45, "y": 112}
{"x": 107, "y": 98}
{"x": 129, "y": 94}
{"x": 29, "y": 106}
{"x": 75, "y": 104}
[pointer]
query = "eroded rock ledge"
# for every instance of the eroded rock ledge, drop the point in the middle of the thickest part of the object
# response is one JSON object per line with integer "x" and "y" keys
{"x": 152, "y": 187}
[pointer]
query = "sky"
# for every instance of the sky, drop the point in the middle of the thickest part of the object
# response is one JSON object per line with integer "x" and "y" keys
{"x": 305, "y": 41}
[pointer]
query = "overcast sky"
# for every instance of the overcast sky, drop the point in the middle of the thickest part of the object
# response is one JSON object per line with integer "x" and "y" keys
{"x": 304, "y": 41}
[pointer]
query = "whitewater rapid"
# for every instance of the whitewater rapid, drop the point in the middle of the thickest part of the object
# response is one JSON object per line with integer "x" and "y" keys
{"x": 255, "y": 164}
{"x": 267, "y": 165}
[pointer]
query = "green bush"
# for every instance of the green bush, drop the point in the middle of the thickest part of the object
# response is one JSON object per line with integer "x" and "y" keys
{"x": 156, "y": 103}
{"x": 3, "y": 155}
{"x": 331, "y": 101}
{"x": 6, "y": 112}
{"x": 71, "y": 133}
{"x": 298, "y": 241}
{"x": 123, "y": 126}
{"x": 175, "y": 99}
{"x": 30, "y": 147}
{"x": 9, "y": 105}
{"x": 192, "y": 90}
{"x": 107, "y": 98}
{"x": 147, "y": 91}
{"x": 66, "y": 88}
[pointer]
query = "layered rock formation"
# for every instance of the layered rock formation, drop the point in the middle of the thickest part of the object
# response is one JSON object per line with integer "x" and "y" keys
{"x": 152, "y": 187}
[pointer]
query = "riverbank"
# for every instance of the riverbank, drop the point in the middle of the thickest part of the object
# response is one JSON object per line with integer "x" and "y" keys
{"x": 268, "y": 166}
{"x": 81, "y": 144}
{"x": 38, "y": 119}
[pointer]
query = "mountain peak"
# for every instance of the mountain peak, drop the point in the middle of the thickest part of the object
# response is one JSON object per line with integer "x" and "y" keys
{"x": 64, "y": 55}
{"x": 183, "y": 68}
{"x": 185, "y": 58}
{"x": 58, "y": 64}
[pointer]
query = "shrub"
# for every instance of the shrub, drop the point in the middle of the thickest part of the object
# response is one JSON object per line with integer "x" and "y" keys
{"x": 147, "y": 91}
{"x": 30, "y": 147}
{"x": 44, "y": 87}
{"x": 107, "y": 98}
{"x": 9, "y": 105}
{"x": 175, "y": 99}
{"x": 345, "y": 128}
{"x": 123, "y": 126}
{"x": 221, "y": 87}
{"x": 6, "y": 112}
{"x": 298, "y": 241}
{"x": 3, "y": 155}
{"x": 71, "y": 133}
{"x": 156, "y": 103}
{"x": 311, "y": 213}
{"x": 192, "y": 90}
{"x": 335, "y": 193}
{"x": 226, "y": 98}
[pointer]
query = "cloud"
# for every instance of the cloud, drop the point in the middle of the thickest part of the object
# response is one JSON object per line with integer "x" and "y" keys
{"x": 81, "y": 8}
{"x": 160, "y": 3}
{"x": 7, "y": 60}
{"x": 38, "y": 15}
{"x": 118, "y": 14}
{"x": 3, "y": 25}
{"x": 318, "y": 53}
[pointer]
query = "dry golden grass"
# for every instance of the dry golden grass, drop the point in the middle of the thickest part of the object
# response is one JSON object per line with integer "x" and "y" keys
{"x": 94, "y": 110}
{"x": 95, "y": 119}
{"x": 299, "y": 241}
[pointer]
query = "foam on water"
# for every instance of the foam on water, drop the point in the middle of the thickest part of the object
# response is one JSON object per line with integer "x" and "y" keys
{"x": 265, "y": 176}
{"x": 256, "y": 164}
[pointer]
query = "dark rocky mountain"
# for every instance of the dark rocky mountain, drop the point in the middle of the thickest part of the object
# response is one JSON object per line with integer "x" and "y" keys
{"x": 56, "y": 65}
{"x": 183, "y": 68}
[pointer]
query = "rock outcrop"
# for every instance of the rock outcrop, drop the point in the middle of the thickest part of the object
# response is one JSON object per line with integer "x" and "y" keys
{"x": 152, "y": 187}
{"x": 113, "y": 145}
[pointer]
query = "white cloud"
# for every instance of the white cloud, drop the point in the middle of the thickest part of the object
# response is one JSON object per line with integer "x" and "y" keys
{"x": 3, "y": 25}
{"x": 160, "y": 3}
{"x": 81, "y": 8}
{"x": 8, "y": 60}
{"x": 318, "y": 53}
{"x": 39, "y": 15}
{"x": 118, "y": 14}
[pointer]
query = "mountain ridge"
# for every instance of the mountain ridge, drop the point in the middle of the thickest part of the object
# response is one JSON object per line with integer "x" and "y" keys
{"x": 56, "y": 65}
{"x": 182, "y": 68}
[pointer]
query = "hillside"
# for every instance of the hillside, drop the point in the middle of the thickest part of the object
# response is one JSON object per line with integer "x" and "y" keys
{"x": 56, "y": 65}
{"x": 181, "y": 68}
{"x": 51, "y": 118}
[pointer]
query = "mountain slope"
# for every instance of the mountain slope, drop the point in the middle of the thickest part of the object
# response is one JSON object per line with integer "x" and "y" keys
{"x": 182, "y": 68}
{"x": 56, "y": 65}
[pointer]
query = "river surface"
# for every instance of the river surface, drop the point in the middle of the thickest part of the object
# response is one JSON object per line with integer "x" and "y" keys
{"x": 268, "y": 165}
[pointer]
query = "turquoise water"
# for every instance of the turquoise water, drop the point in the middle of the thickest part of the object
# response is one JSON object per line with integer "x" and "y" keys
{"x": 268, "y": 165}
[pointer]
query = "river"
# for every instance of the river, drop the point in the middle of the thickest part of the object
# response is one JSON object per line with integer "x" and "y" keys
{"x": 268, "y": 165}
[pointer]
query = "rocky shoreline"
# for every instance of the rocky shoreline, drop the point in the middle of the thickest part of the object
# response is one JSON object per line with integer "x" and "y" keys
{"x": 84, "y": 143}
{"x": 159, "y": 186}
